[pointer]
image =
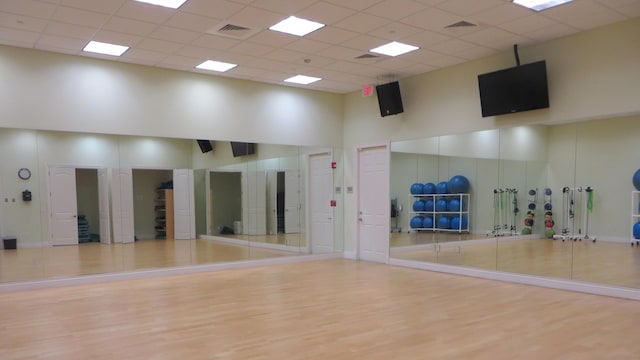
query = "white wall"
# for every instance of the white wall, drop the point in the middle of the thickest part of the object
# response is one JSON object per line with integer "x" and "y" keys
{"x": 43, "y": 90}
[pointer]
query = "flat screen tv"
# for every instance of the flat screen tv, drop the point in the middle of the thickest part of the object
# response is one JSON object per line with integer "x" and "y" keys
{"x": 515, "y": 89}
{"x": 389, "y": 99}
{"x": 242, "y": 148}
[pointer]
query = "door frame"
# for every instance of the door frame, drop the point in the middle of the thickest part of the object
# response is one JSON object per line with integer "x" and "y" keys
{"x": 384, "y": 192}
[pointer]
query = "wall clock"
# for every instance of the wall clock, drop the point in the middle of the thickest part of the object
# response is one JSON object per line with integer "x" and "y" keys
{"x": 24, "y": 173}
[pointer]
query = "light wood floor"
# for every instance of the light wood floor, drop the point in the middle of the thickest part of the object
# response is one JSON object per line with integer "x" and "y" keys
{"x": 339, "y": 309}
{"x": 94, "y": 258}
{"x": 601, "y": 262}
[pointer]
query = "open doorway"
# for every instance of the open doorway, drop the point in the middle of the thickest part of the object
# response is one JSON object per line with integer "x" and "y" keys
{"x": 153, "y": 204}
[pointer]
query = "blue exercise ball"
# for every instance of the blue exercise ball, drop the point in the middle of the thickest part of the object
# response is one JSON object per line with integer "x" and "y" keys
{"x": 458, "y": 224}
{"x": 456, "y": 205}
{"x": 636, "y": 179}
{"x": 444, "y": 222}
{"x": 416, "y": 189}
{"x": 429, "y": 205}
{"x": 441, "y": 205}
{"x": 636, "y": 230}
{"x": 459, "y": 184}
{"x": 418, "y": 205}
{"x": 427, "y": 222}
{"x": 416, "y": 222}
{"x": 429, "y": 188}
{"x": 442, "y": 188}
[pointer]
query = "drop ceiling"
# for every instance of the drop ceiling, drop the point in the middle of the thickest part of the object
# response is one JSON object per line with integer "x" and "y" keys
{"x": 448, "y": 32}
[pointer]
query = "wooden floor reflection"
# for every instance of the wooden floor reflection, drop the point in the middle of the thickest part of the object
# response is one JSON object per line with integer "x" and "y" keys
{"x": 600, "y": 262}
{"x": 93, "y": 258}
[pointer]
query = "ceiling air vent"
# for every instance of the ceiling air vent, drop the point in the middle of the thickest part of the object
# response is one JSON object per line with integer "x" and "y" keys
{"x": 232, "y": 31}
{"x": 460, "y": 24}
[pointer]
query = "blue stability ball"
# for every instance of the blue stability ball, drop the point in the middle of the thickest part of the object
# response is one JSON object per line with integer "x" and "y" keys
{"x": 636, "y": 180}
{"x": 442, "y": 188}
{"x": 441, "y": 205}
{"x": 416, "y": 189}
{"x": 429, "y": 188}
{"x": 416, "y": 222}
{"x": 454, "y": 205}
{"x": 457, "y": 224}
{"x": 444, "y": 222}
{"x": 459, "y": 185}
{"x": 636, "y": 230}
{"x": 429, "y": 205}
{"x": 427, "y": 222}
{"x": 418, "y": 205}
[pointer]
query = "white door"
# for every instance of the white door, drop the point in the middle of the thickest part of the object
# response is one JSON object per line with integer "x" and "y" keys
{"x": 272, "y": 202}
{"x": 184, "y": 220}
{"x": 122, "y": 209}
{"x": 291, "y": 201}
{"x": 63, "y": 205}
{"x": 320, "y": 196}
{"x": 373, "y": 203}
{"x": 256, "y": 203}
{"x": 103, "y": 206}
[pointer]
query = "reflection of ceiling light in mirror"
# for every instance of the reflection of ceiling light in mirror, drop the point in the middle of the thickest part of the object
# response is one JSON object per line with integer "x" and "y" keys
{"x": 394, "y": 49}
{"x": 296, "y": 26}
{"x": 174, "y": 4}
{"x": 216, "y": 66}
{"x": 539, "y": 5}
{"x": 105, "y": 48}
{"x": 301, "y": 79}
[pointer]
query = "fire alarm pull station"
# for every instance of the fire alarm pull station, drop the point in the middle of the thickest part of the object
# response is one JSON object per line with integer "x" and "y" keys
{"x": 333, "y": 164}
{"x": 333, "y": 203}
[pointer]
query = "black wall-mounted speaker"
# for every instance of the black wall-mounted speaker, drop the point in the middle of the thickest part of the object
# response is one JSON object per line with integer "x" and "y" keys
{"x": 205, "y": 145}
{"x": 389, "y": 99}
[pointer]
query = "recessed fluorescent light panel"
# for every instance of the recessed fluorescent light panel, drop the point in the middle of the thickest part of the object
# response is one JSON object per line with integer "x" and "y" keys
{"x": 105, "y": 48}
{"x": 394, "y": 49}
{"x": 216, "y": 66}
{"x": 301, "y": 79}
{"x": 296, "y": 26}
{"x": 174, "y": 4}
{"x": 539, "y": 5}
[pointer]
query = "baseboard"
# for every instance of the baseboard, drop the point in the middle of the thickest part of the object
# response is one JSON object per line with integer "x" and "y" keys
{"x": 560, "y": 284}
{"x": 351, "y": 255}
{"x": 255, "y": 244}
{"x": 154, "y": 273}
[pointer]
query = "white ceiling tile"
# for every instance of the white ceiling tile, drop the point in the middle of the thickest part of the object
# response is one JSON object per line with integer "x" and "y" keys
{"x": 218, "y": 9}
{"x": 317, "y": 61}
{"x": 129, "y": 26}
{"x": 21, "y": 22}
{"x": 325, "y": 13}
{"x": 60, "y": 50}
{"x": 250, "y": 48}
{"x": 355, "y": 4}
{"x": 14, "y": 36}
{"x": 340, "y": 53}
{"x": 147, "y": 56}
{"x": 584, "y": 16}
{"x": 395, "y": 9}
{"x": 432, "y": 19}
{"x": 101, "y": 6}
{"x": 496, "y": 38}
{"x": 426, "y": 39}
{"x": 69, "y": 30}
{"x": 528, "y": 25}
{"x": 283, "y": 6}
{"x": 285, "y": 55}
{"x": 192, "y": 22}
{"x": 307, "y": 46}
{"x": 364, "y": 43}
{"x": 552, "y": 31}
{"x": 31, "y": 8}
{"x": 184, "y": 62}
{"x": 362, "y": 23}
{"x": 173, "y": 34}
{"x": 500, "y": 14}
{"x": 145, "y": 12}
{"x": 255, "y": 18}
{"x": 466, "y": 7}
{"x": 215, "y": 42}
{"x": 80, "y": 17}
{"x": 167, "y": 47}
{"x": 395, "y": 31}
{"x": 197, "y": 52}
{"x": 332, "y": 35}
{"x": 61, "y": 42}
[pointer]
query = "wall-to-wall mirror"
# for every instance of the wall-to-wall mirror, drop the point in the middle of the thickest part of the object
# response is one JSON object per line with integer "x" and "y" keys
{"x": 544, "y": 200}
{"x": 110, "y": 203}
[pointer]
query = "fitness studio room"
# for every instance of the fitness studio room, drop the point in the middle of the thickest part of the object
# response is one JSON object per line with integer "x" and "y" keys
{"x": 475, "y": 196}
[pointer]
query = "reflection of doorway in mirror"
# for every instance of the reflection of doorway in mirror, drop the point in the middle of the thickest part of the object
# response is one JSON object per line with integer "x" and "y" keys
{"x": 320, "y": 195}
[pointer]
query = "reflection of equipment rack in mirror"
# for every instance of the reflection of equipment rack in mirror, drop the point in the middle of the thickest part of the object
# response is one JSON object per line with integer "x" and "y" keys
{"x": 396, "y": 209}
